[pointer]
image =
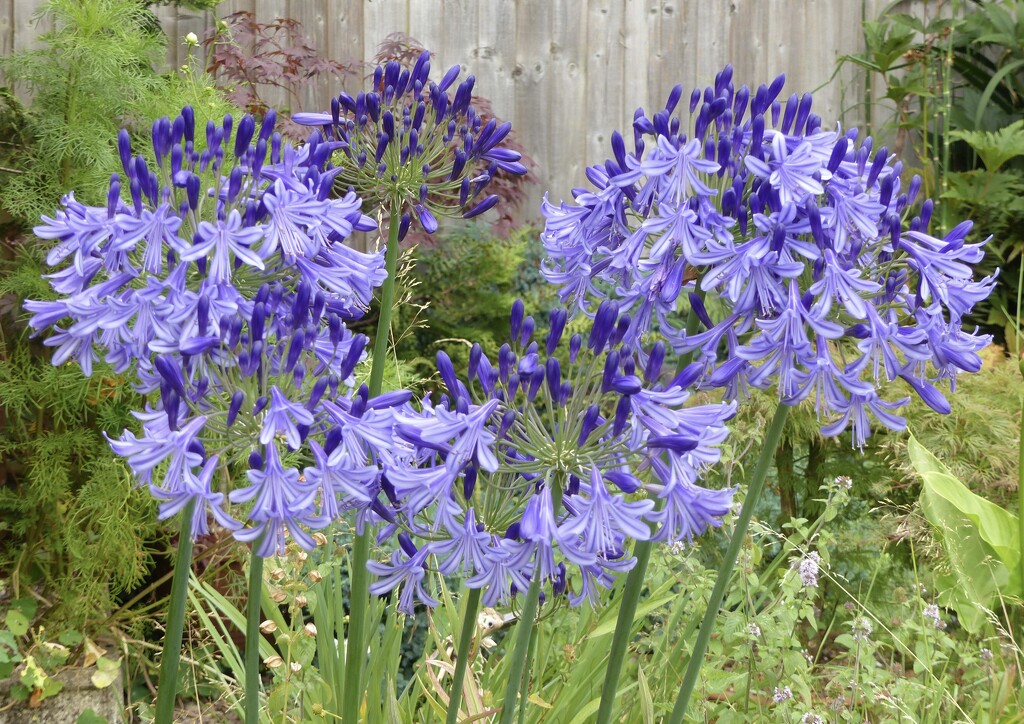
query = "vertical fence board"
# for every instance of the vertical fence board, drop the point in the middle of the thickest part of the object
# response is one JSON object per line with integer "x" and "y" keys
{"x": 565, "y": 72}
{"x": 312, "y": 94}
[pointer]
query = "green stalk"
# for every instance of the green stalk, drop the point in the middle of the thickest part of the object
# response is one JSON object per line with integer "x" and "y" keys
{"x": 1020, "y": 485}
{"x": 630, "y": 597}
{"x": 623, "y": 628}
{"x": 521, "y": 651}
{"x": 359, "y": 577}
{"x": 168, "y": 685}
{"x": 465, "y": 649}
{"x": 524, "y": 688}
{"x": 387, "y": 302}
{"x": 1020, "y": 444}
{"x": 252, "y": 639}
{"x": 707, "y": 625}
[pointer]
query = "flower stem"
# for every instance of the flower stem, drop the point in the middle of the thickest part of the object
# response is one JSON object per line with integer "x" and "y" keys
{"x": 623, "y": 628}
{"x": 252, "y": 640}
{"x": 521, "y": 651}
{"x": 168, "y": 688}
{"x": 631, "y": 595}
{"x": 359, "y": 577}
{"x": 465, "y": 649}
{"x": 387, "y": 302}
{"x": 700, "y": 646}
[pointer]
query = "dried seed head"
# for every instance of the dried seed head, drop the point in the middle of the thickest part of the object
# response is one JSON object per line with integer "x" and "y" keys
{"x": 310, "y": 629}
{"x": 320, "y": 538}
{"x": 272, "y": 662}
{"x": 268, "y": 627}
{"x": 315, "y": 576}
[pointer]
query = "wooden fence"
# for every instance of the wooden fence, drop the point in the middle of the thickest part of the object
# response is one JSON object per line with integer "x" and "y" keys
{"x": 565, "y": 72}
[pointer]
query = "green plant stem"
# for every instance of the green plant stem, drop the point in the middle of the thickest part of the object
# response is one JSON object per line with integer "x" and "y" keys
{"x": 623, "y": 628}
{"x": 707, "y": 625}
{"x": 168, "y": 688}
{"x": 387, "y": 302}
{"x": 524, "y": 687}
{"x": 359, "y": 577}
{"x": 465, "y": 649}
{"x": 252, "y": 639}
{"x": 1020, "y": 488}
{"x": 521, "y": 651}
{"x": 630, "y": 597}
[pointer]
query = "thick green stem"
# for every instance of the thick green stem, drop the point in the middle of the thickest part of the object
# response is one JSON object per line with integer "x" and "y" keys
{"x": 359, "y": 578}
{"x": 521, "y": 652}
{"x": 623, "y": 628}
{"x": 168, "y": 688}
{"x": 631, "y": 595}
{"x": 707, "y": 625}
{"x": 387, "y": 302}
{"x": 465, "y": 649}
{"x": 252, "y": 640}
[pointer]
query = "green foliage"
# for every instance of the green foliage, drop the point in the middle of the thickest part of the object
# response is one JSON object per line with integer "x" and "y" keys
{"x": 93, "y": 71}
{"x": 980, "y": 539}
{"x": 93, "y": 75}
{"x": 461, "y": 290}
{"x": 955, "y": 89}
{"x": 69, "y": 515}
{"x": 978, "y": 439}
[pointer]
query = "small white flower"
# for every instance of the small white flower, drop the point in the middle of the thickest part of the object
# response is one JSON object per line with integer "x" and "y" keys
{"x": 782, "y": 694}
{"x": 862, "y": 628}
{"x": 191, "y": 39}
{"x": 754, "y": 630}
{"x": 809, "y": 570}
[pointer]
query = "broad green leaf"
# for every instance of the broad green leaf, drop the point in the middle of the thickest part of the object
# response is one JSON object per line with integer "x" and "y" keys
{"x": 90, "y": 717}
{"x": 106, "y": 672}
{"x": 16, "y": 622}
{"x": 980, "y": 540}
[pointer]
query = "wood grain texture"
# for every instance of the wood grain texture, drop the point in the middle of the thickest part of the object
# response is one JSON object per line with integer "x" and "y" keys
{"x": 565, "y": 72}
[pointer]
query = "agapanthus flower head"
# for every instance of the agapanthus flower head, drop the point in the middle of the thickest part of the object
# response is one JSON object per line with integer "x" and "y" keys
{"x": 538, "y": 467}
{"x": 410, "y": 141}
{"x": 825, "y": 282}
{"x": 217, "y": 273}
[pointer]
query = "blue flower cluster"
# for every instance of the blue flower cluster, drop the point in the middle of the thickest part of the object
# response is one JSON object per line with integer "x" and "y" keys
{"x": 408, "y": 143}
{"x": 222, "y": 282}
{"x": 821, "y": 278}
{"x": 535, "y": 469}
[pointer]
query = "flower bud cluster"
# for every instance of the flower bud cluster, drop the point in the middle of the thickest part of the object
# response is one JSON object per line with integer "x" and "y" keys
{"x": 825, "y": 281}
{"x": 408, "y": 142}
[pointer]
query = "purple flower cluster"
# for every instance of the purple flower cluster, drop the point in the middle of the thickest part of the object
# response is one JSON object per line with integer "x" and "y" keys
{"x": 408, "y": 142}
{"x": 816, "y": 280}
{"x": 219, "y": 276}
{"x": 535, "y": 469}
